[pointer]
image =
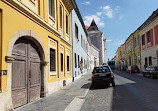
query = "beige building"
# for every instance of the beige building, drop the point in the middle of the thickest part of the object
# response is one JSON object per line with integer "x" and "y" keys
{"x": 129, "y": 50}
{"x": 123, "y": 55}
{"x": 149, "y": 41}
{"x": 136, "y": 50}
{"x": 118, "y": 55}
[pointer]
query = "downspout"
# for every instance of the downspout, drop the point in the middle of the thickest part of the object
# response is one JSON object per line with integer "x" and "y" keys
{"x": 0, "y": 50}
{"x": 72, "y": 49}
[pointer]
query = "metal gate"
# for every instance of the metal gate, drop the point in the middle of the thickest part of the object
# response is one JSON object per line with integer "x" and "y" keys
{"x": 26, "y": 73}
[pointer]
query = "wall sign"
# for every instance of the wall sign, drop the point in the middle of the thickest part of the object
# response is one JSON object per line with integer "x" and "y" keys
{"x": 3, "y": 72}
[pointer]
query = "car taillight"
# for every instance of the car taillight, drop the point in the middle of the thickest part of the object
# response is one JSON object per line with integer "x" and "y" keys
{"x": 112, "y": 74}
{"x": 92, "y": 76}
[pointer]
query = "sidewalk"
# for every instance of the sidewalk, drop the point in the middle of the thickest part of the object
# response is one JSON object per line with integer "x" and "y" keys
{"x": 69, "y": 98}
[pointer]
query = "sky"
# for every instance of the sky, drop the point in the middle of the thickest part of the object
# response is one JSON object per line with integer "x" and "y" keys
{"x": 117, "y": 19}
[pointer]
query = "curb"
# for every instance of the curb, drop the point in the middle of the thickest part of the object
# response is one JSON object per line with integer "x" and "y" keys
{"x": 77, "y": 103}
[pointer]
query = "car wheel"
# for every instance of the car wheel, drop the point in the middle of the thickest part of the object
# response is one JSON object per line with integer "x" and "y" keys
{"x": 92, "y": 85}
{"x": 152, "y": 76}
{"x": 144, "y": 75}
{"x": 113, "y": 84}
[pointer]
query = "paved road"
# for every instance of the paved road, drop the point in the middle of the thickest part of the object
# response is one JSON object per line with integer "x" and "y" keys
{"x": 133, "y": 92}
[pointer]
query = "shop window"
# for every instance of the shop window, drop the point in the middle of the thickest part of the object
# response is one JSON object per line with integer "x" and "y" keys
{"x": 61, "y": 16}
{"x": 67, "y": 24}
{"x": 150, "y": 61}
{"x": 52, "y": 60}
{"x": 52, "y": 8}
{"x": 146, "y": 62}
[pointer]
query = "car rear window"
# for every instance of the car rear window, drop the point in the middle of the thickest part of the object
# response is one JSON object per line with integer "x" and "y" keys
{"x": 134, "y": 66}
{"x": 104, "y": 69}
{"x": 156, "y": 68}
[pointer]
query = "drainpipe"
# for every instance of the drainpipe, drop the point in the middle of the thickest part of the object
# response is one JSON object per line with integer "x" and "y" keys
{"x": 72, "y": 49}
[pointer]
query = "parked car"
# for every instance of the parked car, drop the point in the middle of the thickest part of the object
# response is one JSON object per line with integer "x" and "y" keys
{"x": 102, "y": 75}
{"x": 133, "y": 69}
{"x": 151, "y": 71}
{"x": 124, "y": 67}
{"x": 119, "y": 67}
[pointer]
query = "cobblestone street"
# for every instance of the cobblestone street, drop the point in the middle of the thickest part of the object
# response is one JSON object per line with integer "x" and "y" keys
{"x": 133, "y": 92}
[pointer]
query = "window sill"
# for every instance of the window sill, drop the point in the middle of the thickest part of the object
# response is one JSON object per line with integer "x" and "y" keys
{"x": 68, "y": 72}
{"x": 53, "y": 73}
{"x": 51, "y": 18}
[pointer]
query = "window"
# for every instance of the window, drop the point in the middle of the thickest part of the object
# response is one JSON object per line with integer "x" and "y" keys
{"x": 104, "y": 69}
{"x": 150, "y": 60}
{"x": 85, "y": 63}
{"x": 34, "y": 1}
{"x": 135, "y": 59}
{"x": 61, "y": 16}
{"x": 143, "y": 39}
{"x": 0, "y": 43}
{"x": 67, "y": 23}
{"x": 78, "y": 61}
{"x": 146, "y": 61}
{"x": 81, "y": 41}
{"x": 62, "y": 61}
{"x": 148, "y": 36}
{"x": 75, "y": 61}
{"x": 68, "y": 63}
{"x": 138, "y": 39}
{"x": 135, "y": 41}
{"x": 52, "y": 8}
{"x": 52, "y": 59}
{"x": 76, "y": 31}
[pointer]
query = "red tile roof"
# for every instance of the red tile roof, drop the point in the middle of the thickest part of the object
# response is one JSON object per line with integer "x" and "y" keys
{"x": 86, "y": 27}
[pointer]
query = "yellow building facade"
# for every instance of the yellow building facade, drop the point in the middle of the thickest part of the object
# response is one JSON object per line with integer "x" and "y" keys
{"x": 129, "y": 50}
{"x": 137, "y": 53}
{"x": 118, "y": 56}
{"x": 35, "y": 49}
{"x": 133, "y": 49}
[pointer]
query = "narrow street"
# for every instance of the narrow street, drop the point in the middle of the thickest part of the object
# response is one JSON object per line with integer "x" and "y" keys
{"x": 133, "y": 92}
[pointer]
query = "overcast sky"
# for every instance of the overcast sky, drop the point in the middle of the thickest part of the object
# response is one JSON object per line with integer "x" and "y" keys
{"x": 116, "y": 18}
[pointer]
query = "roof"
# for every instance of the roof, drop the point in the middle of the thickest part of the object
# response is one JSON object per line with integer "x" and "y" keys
{"x": 94, "y": 35}
{"x": 79, "y": 16}
{"x": 86, "y": 27}
{"x": 149, "y": 20}
{"x": 93, "y": 26}
{"x": 68, "y": 4}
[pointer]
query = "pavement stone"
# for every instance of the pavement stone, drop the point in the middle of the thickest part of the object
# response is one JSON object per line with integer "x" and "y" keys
{"x": 69, "y": 97}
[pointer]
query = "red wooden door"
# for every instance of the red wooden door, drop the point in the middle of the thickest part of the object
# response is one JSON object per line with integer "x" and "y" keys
{"x": 26, "y": 73}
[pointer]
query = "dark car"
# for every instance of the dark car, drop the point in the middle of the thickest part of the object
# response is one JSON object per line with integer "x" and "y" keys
{"x": 151, "y": 71}
{"x": 102, "y": 76}
{"x": 119, "y": 67}
{"x": 133, "y": 69}
{"x": 124, "y": 67}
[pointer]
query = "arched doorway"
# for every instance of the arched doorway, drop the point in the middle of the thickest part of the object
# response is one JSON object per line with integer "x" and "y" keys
{"x": 26, "y": 72}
